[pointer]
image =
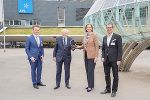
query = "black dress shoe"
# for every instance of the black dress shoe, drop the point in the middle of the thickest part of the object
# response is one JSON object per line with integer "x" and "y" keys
{"x": 113, "y": 94}
{"x": 68, "y": 87}
{"x": 89, "y": 89}
{"x": 36, "y": 86}
{"x": 40, "y": 84}
{"x": 86, "y": 88}
{"x": 56, "y": 87}
{"x": 105, "y": 91}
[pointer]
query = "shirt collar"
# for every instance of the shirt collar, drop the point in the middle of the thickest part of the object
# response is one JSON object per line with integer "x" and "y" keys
{"x": 64, "y": 37}
{"x": 110, "y": 35}
{"x": 35, "y": 35}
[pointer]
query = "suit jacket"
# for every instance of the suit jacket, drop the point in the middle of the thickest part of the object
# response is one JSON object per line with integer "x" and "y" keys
{"x": 32, "y": 49}
{"x": 61, "y": 51}
{"x": 92, "y": 46}
{"x": 114, "y": 50}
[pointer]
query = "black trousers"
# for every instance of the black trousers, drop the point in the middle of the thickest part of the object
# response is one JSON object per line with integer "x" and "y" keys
{"x": 89, "y": 66}
{"x": 107, "y": 67}
{"x": 66, "y": 62}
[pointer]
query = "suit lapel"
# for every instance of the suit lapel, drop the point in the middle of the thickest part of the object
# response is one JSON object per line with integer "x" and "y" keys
{"x": 33, "y": 39}
{"x": 61, "y": 41}
{"x": 68, "y": 41}
{"x": 105, "y": 41}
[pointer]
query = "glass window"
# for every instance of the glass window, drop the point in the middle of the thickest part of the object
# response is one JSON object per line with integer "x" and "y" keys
{"x": 81, "y": 12}
{"x": 34, "y": 22}
{"x": 128, "y": 16}
{"x": 124, "y": 2}
{"x": 23, "y": 22}
{"x": 61, "y": 22}
{"x": 11, "y": 22}
{"x": 109, "y": 4}
{"x": 60, "y": 13}
{"x": 143, "y": 15}
{"x": 6, "y": 22}
{"x": 61, "y": 16}
{"x": 17, "y": 22}
{"x": 27, "y": 22}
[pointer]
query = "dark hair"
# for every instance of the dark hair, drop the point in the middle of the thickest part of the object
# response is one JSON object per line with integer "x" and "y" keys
{"x": 35, "y": 26}
{"x": 110, "y": 24}
{"x": 86, "y": 27}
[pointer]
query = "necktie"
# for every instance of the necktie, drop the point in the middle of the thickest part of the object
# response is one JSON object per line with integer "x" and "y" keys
{"x": 37, "y": 40}
{"x": 64, "y": 41}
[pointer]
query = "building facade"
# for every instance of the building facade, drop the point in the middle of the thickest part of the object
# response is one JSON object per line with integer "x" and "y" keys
{"x": 46, "y": 12}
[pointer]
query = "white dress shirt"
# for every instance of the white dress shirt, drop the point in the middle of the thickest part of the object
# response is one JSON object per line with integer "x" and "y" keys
{"x": 65, "y": 41}
{"x": 109, "y": 38}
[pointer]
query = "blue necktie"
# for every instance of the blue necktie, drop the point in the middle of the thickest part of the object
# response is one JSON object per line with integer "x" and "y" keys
{"x": 64, "y": 42}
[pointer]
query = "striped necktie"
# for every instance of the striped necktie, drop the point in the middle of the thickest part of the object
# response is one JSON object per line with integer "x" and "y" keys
{"x": 64, "y": 42}
{"x": 37, "y": 40}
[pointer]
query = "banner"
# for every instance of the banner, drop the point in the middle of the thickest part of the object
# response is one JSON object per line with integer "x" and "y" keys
{"x": 25, "y": 6}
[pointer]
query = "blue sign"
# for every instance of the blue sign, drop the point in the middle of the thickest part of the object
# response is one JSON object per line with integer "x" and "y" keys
{"x": 25, "y": 6}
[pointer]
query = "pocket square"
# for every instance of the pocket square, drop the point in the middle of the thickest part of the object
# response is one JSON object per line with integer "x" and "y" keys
{"x": 114, "y": 40}
{"x": 41, "y": 43}
{"x": 112, "y": 44}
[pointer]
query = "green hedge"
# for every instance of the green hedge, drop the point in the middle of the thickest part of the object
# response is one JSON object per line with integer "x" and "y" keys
{"x": 44, "y": 31}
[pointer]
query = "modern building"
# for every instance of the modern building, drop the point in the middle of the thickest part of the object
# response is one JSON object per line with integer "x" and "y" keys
{"x": 45, "y": 12}
{"x": 131, "y": 19}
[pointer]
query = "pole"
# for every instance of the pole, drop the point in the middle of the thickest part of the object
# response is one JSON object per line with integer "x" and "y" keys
{"x": 3, "y": 26}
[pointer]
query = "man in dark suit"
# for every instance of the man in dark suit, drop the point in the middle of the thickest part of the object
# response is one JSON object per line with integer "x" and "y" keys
{"x": 35, "y": 52}
{"x": 111, "y": 57}
{"x": 62, "y": 54}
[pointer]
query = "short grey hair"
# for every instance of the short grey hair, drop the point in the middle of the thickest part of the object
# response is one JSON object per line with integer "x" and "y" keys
{"x": 65, "y": 30}
{"x": 110, "y": 24}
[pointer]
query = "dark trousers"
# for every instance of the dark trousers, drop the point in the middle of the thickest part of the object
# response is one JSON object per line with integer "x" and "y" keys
{"x": 66, "y": 62}
{"x": 107, "y": 66}
{"x": 36, "y": 70}
{"x": 89, "y": 66}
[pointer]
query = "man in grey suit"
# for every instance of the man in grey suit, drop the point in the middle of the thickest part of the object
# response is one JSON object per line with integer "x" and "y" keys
{"x": 111, "y": 57}
{"x": 62, "y": 54}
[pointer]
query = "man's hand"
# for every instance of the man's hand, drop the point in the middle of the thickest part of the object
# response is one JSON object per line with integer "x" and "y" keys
{"x": 73, "y": 47}
{"x": 42, "y": 58}
{"x": 54, "y": 59}
{"x": 79, "y": 47}
{"x": 33, "y": 59}
{"x": 95, "y": 60}
{"x": 118, "y": 63}
{"x": 103, "y": 59}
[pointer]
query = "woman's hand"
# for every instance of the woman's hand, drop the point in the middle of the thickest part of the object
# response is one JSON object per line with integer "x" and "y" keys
{"x": 95, "y": 60}
{"x": 102, "y": 59}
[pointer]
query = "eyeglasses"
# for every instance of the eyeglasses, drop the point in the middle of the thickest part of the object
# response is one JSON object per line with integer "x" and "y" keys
{"x": 109, "y": 27}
